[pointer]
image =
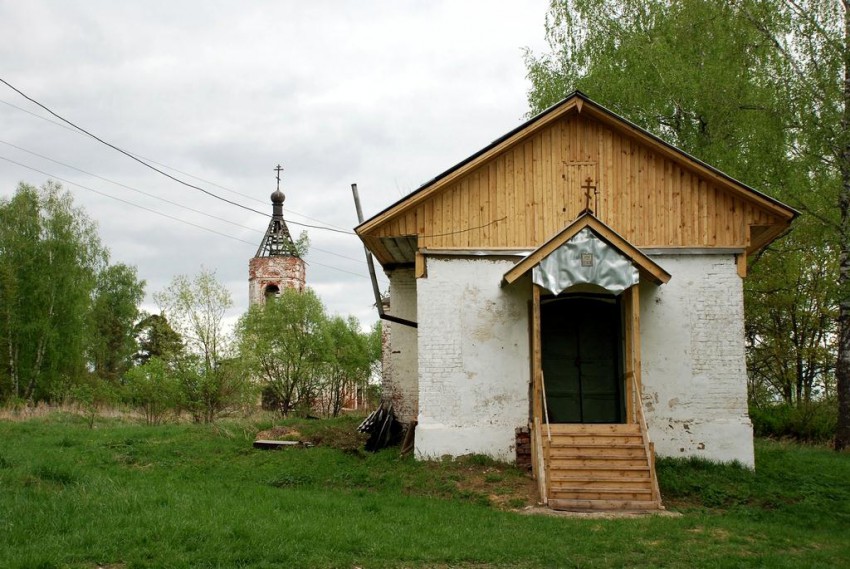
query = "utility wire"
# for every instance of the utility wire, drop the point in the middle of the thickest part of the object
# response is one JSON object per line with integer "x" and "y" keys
{"x": 155, "y": 212}
{"x": 151, "y": 160}
{"x": 104, "y": 194}
{"x": 129, "y": 187}
{"x": 161, "y": 198}
{"x": 127, "y": 154}
{"x": 147, "y": 164}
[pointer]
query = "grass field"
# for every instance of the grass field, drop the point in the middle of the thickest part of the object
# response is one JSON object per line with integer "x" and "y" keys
{"x": 125, "y": 496}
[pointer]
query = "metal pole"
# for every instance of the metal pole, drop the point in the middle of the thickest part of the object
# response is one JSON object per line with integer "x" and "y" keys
{"x": 372, "y": 275}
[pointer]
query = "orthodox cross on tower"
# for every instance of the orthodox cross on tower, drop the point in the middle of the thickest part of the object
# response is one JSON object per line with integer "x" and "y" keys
{"x": 278, "y": 169}
{"x": 277, "y": 241}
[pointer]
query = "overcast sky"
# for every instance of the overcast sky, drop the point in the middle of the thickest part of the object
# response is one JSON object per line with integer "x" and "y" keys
{"x": 386, "y": 94}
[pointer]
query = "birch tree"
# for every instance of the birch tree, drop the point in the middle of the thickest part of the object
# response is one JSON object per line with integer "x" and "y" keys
{"x": 50, "y": 254}
{"x": 758, "y": 88}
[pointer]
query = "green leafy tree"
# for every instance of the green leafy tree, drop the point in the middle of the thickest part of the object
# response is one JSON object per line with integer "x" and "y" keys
{"x": 153, "y": 388}
{"x": 284, "y": 344}
{"x": 349, "y": 363}
{"x": 210, "y": 381}
{"x": 49, "y": 257}
{"x": 114, "y": 311}
{"x": 761, "y": 89}
{"x": 155, "y": 338}
{"x": 91, "y": 395}
{"x": 791, "y": 317}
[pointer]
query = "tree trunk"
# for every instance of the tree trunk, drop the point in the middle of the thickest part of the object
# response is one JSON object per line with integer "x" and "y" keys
{"x": 842, "y": 370}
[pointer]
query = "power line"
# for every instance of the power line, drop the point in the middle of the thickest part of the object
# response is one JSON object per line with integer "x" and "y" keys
{"x": 155, "y": 212}
{"x": 104, "y": 194}
{"x": 160, "y": 198}
{"x": 127, "y": 154}
{"x": 129, "y": 187}
{"x": 136, "y": 156}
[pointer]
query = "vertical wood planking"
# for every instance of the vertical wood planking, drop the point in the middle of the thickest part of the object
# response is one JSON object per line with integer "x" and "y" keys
{"x": 510, "y": 206}
{"x": 528, "y": 192}
{"x": 485, "y": 215}
{"x": 499, "y": 185}
{"x": 556, "y": 182}
{"x": 519, "y": 196}
{"x": 543, "y": 160}
{"x": 650, "y": 199}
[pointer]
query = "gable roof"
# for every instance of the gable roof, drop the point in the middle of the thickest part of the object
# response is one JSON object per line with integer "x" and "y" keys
{"x": 645, "y": 265}
{"x": 578, "y": 102}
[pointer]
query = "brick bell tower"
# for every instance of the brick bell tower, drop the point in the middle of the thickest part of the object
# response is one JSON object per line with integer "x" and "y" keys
{"x": 276, "y": 266}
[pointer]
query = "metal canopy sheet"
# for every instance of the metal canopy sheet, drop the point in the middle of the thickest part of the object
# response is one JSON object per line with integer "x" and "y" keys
{"x": 585, "y": 259}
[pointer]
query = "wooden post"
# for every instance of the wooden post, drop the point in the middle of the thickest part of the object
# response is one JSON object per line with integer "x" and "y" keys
{"x": 628, "y": 354}
{"x": 420, "y": 268}
{"x": 539, "y": 463}
{"x": 635, "y": 318}
{"x": 741, "y": 259}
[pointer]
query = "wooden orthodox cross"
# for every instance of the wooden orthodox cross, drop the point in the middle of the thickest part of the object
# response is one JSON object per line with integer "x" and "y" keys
{"x": 278, "y": 169}
{"x": 588, "y": 187}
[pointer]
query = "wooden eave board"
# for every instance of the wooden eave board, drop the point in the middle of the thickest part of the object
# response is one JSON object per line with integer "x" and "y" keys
{"x": 452, "y": 174}
{"x": 646, "y": 265}
{"x": 526, "y": 186}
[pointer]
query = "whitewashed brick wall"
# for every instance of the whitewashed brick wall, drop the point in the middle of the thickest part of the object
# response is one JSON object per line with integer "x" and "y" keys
{"x": 694, "y": 370}
{"x": 400, "y": 373}
{"x": 473, "y": 358}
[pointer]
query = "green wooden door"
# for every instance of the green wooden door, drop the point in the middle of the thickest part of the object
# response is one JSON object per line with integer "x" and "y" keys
{"x": 580, "y": 341}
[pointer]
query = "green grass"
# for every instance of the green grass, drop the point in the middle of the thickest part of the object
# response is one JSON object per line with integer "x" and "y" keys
{"x": 126, "y": 495}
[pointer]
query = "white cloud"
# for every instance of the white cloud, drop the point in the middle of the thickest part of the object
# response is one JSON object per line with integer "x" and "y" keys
{"x": 387, "y": 94}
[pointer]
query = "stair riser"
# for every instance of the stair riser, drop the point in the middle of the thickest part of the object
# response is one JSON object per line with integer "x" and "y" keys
{"x": 624, "y": 484}
{"x": 593, "y": 440}
{"x": 641, "y": 474}
{"x": 612, "y": 496}
{"x": 607, "y": 463}
{"x": 602, "y": 505}
{"x": 597, "y": 451}
{"x": 566, "y": 428}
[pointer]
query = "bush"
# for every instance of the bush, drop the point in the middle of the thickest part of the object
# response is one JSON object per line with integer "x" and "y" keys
{"x": 813, "y": 422}
{"x": 90, "y": 395}
{"x": 209, "y": 392}
{"x": 153, "y": 389}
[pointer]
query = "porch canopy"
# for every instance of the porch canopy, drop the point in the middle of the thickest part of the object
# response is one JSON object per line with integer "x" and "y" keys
{"x": 587, "y": 252}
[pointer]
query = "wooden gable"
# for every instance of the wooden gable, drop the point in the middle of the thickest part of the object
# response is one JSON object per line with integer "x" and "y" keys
{"x": 526, "y": 187}
{"x": 644, "y": 264}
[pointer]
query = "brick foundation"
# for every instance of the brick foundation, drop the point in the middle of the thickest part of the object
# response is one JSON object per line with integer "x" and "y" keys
{"x": 523, "y": 448}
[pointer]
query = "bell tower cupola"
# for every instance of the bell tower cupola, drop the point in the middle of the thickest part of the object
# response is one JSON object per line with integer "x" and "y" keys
{"x": 277, "y": 265}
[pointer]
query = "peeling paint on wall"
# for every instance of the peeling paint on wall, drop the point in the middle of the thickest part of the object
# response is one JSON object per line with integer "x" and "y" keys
{"x": 473, "y": 359}
{"x": 692, "y": 349}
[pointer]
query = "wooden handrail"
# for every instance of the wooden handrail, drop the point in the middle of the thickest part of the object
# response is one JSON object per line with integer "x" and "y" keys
{"x": 647, "y": 444}
{"x": 545, "y": 406}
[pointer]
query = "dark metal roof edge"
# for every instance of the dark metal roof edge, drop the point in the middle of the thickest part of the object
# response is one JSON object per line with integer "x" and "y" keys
{"x": 548, "y": 111}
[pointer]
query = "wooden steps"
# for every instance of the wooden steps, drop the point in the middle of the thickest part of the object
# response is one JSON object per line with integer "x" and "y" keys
{"x": 599, "y": 467}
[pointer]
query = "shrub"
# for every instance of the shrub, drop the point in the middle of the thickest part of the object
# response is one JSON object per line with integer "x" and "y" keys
{"x": 813, "y": 422}
{"x": 153, "y": 389}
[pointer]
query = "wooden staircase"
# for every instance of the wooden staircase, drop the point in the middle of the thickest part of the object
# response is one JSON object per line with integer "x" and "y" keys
{"x": 599, "y": 467}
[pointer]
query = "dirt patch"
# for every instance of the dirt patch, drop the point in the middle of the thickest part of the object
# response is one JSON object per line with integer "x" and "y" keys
{"x": 279, "y": 434}
{"x": 610, "y": 515}
{"x": 484, "y": 480}
{"x": 342, "y": 437}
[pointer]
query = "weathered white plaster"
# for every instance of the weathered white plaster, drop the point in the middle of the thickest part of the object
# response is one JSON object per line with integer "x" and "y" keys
{"x": 400, "y": 381}
{"x": 694, "y": 370}
{"x": 473, "y": 358}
